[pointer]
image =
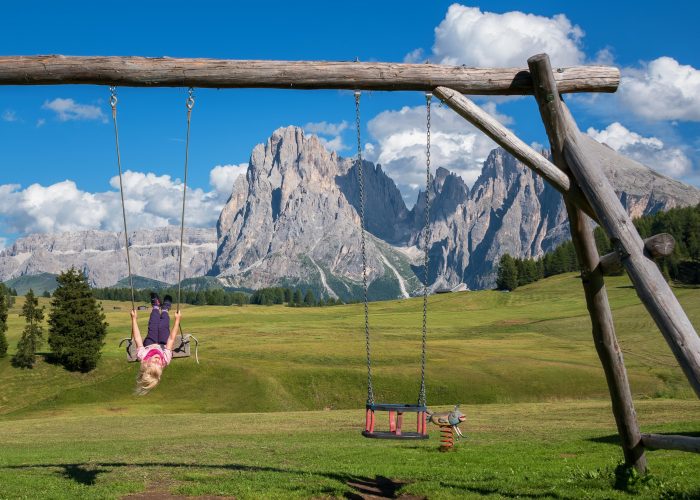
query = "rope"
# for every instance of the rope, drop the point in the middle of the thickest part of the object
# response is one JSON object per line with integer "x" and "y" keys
{"x": 426, "y": 256}
{"x": 361, "y": 180}
{"x": 189, "y": 104}
{"x": 113, "y": 103}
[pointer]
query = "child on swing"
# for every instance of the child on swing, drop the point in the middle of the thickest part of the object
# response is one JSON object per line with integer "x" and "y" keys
{"x": 156, "y": 352}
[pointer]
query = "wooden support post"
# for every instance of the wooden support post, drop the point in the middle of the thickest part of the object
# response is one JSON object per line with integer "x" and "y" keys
{"x": 603, "y": 329}
{"x": 655, "y": 247}
{"x": 671, "y": 442}
{"x": 392, "y": 421}
{"x": 468, "y": 110}
{"x": 651, "y": 286}
{"x": 227, "y": 73}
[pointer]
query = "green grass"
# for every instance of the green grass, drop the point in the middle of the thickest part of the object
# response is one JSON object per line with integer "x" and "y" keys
{"x": 526, "y": 450}
{"x": 522, "y": 364}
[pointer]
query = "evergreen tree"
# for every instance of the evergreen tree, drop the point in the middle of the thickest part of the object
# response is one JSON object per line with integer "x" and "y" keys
{"x": 309, "y": 298}
{"x": 77, "y": 326}
{"x": 297, "y": 297}
{"x": 507, "y": 274}
{"x": 4, "y": 300}
{"x": 33, "y": 333}
{"x": 46, "y": 294}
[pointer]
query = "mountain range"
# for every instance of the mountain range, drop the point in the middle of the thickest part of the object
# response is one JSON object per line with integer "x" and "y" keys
{"x": 292, "y": 220}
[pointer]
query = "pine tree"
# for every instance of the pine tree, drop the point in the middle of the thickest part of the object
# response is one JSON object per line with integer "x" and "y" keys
{"x": 297, "y": 297}
{"x": 33, "y": 333}
{"x": 77, "y": 326}
{"x": 507, "y": 274}
{"x": 309, "y": 298}
{"x": 4, "y": 307}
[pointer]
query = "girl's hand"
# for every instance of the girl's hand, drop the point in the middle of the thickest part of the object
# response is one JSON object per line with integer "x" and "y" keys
{"x": 133, "y": 314}
{"x": 178, "y": 315}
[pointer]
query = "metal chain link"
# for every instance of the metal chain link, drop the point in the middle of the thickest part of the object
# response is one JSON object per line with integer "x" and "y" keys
{"x": 361, "y": 181}
{"x": 113, "y": 103}
{"x": 189, "y": 104}
{"x": 426, "y": 256}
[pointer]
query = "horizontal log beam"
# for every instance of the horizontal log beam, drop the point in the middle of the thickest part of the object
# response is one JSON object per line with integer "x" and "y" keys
{"x": 671, "y": 442}
{"x": 227, "y": 73}
{"x": 655, "y": 247}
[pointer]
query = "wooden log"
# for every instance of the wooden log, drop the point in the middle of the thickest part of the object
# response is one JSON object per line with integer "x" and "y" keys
{"x": 671, "y": 442}
{"x": 651, "y": 286}
{"x": 603, "y": 328}
{"x": 468, "y": 110}
{"x": 655, "y": 247}
{"x": 226, "y": 73}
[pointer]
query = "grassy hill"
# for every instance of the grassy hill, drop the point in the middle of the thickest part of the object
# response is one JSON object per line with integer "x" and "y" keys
{"x": 522, "y": 364}
{"x": 533, "y": 344}
{"x": 39, "y": 283}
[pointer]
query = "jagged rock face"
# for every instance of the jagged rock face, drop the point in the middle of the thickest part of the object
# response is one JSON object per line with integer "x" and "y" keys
{"x": 289, "y": 220}
{"x": 293, "y": 219}
{"x": 101, "y": 255}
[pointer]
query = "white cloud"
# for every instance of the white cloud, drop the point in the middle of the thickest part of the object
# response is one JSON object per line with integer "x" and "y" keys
{"x": 9, "y": 116}
{"x": 662, "y": 89}
{"x": 151, "y": 201}
{"x": 325, "y": 128}
{"x": 415, "y": 56}
{"x": 486, "y": 39}
{"x": 650, "y": 151}
{"x": 400, "y": 140}
{"x": 68, "y": 109}
{"x": 330, "y": 134}
{"x": 40, "y": 123}
{"x": 222, "y": 177}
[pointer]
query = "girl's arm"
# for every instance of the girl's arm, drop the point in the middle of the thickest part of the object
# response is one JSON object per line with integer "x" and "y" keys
{"x": 173, "y": 331}
{"x": 135, "y": 332}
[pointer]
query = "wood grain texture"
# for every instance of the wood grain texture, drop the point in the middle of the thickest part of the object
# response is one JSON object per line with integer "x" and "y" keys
{"x": 655, "y": 247}
{"x": 671, "y": 442}
{"x": 225, "y": 73}
{"x": 602, "y": 326}
{"x": 651, "y": 286}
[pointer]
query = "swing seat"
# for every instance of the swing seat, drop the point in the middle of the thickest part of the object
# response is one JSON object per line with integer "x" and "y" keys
{"x": 396, "y": 412}
{"x": 181, "y": 349}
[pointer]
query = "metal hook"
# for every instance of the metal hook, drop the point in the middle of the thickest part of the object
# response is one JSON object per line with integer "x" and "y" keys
{"x": 113, "y": 97}
{"x": 190, "y": 99}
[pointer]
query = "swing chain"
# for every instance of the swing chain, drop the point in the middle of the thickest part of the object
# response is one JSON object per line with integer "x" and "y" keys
{"x": 361, "y": 181}
{"x": 426, "y": 255}
{"x": 113, "y": 103}
{"x": 189, "y": 104}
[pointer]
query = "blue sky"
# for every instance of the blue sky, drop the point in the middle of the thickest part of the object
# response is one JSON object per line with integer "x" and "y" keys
{"x": 56, "y": 147}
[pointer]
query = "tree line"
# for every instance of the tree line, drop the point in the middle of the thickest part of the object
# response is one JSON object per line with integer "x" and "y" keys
{"x": 683, "y": 265}
{"x": 76, "y": 325}
{"x": 291, "y": 297}
{"x": 212, "y": 297}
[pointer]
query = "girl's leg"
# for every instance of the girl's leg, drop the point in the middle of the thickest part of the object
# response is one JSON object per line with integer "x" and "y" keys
{"x": 163, "y": 327}
{"x": 153, "y": 323}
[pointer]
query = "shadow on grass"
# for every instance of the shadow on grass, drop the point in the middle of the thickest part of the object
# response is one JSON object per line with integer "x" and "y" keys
{"x": 362, "y": 486}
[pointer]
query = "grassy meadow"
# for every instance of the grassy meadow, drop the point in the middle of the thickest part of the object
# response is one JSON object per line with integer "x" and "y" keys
{"x": 274, "y": 408}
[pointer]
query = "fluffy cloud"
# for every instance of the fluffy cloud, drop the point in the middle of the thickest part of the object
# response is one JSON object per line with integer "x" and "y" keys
{"x": 151, "y": 201}
{"x": 649, "y": 151}
{"x": 399, "y": 145}
{"x": 222, "y": 177}
{"x": 9, "y": 116}
{"x": 662, "y": 89}
{"x": 486, "y": 39}
{"x": 330, "y": 134}
{"x": 68, "y": 109}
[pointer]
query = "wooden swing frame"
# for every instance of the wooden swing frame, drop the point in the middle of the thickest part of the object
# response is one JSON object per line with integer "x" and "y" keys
{"x": 575, "y": 172}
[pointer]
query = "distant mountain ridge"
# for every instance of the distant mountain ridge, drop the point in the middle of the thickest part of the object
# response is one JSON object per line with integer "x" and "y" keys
{"x": 293, "y": 220}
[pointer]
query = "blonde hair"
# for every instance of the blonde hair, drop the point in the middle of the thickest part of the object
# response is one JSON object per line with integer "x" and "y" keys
{"x": 149, "y": 375}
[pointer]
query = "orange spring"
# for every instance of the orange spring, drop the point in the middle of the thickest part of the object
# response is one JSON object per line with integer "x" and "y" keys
{"x": 447, "y": 439}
